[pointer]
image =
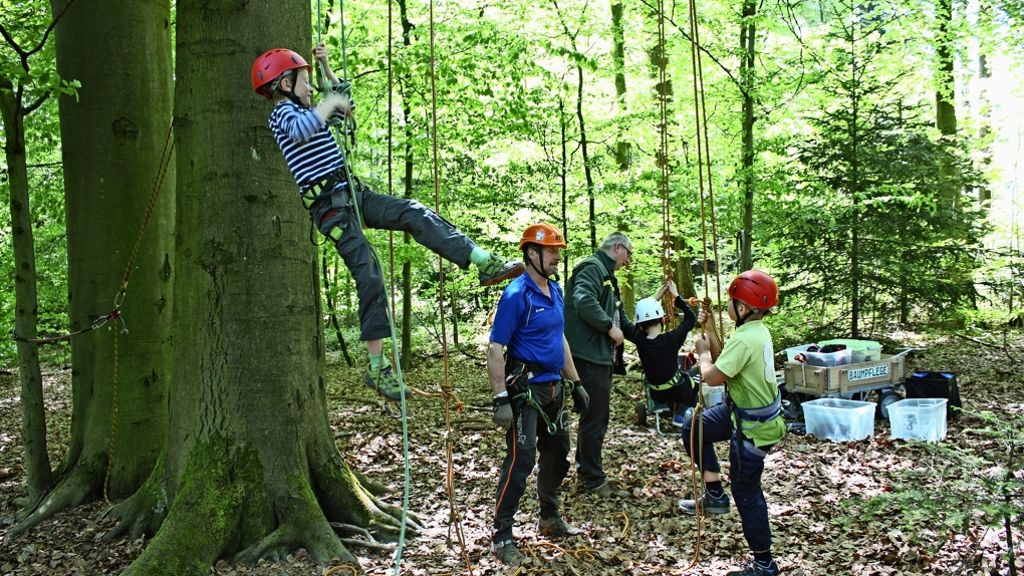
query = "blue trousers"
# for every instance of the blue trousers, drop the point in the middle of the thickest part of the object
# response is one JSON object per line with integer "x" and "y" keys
{"x": 386, "y": 213}
{"x": 528, "y": 436}
{"x": 746, "y": 463}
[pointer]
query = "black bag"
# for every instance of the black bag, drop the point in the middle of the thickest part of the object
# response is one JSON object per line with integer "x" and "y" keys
{"x": 935, "y": 385}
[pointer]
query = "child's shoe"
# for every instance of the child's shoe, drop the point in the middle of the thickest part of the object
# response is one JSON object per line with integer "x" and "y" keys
{"x": 756, "y": 568}
{"x": 496, "y": 269}
{"x": 386, "y": 384}
{"x": 708, "y": 503}
{"x": 556, "y": 527}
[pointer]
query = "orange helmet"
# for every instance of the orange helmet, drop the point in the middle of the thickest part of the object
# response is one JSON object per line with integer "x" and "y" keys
{"x": 755, "y": 289}
{"x": 542, "y": 234}
{"x": 270, "y": 65}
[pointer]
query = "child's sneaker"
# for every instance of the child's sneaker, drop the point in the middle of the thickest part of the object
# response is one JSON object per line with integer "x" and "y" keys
{"x": 497, "y": 269}
{"x": 710, "y": 504}
{"x": 756, "y": 568}
{"x": 506, "y": 552}
{"x": 386, "y": 384}
{"x": 678, "y": 420}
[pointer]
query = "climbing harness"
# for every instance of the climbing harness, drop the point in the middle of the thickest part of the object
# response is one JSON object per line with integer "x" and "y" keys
{"x": 518, "y": 385}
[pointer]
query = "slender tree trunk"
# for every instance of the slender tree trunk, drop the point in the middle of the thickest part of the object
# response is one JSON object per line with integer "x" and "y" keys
{"x": 563, "y": 178}
{"x": 984, "y": 129}
{"x": 854, "y": 186}
{"x": 33, "y": 417}
{"x": 747, "y": 81}
{"x": 249, "y": 462}
{"x": 945, "y": 88}
{"x": 406, "y": 360}
{"x": 622, "y": 147}
{"x": 587, "y": 172}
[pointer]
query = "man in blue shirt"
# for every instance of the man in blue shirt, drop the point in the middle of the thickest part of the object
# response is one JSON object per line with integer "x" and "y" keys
{"x": 526, "y": 359}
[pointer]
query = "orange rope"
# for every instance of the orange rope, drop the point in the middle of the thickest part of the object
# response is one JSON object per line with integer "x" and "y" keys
{"x": 454, "y": 518}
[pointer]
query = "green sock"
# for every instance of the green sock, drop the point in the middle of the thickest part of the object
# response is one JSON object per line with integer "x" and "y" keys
{"x": 479, "y": 256}
{"x": 378, "y": 362}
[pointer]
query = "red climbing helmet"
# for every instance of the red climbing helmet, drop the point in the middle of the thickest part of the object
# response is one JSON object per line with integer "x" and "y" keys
{"x": 755, "y": 289}
{"x": 271, "y": 64}
{"x": 543, "y": 234}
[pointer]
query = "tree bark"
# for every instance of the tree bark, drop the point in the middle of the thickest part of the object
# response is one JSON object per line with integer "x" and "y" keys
{"x": 33, "y": 417}
{"x": 249, "y": 460}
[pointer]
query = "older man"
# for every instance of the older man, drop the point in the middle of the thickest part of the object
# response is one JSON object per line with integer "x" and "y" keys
{"x": 593, "y": 327}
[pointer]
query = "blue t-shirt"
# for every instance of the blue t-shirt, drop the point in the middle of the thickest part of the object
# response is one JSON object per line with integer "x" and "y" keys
{"x": 531, "y": 326}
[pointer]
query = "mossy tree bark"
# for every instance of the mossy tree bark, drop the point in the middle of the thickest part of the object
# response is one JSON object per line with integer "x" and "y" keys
{"x": 249, "y": 469}
{"x": 113, "y": 132}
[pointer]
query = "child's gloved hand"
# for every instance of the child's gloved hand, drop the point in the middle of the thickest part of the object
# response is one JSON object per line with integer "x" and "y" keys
{"x": 502, "y": 412}
{"x": 580, "y": 398}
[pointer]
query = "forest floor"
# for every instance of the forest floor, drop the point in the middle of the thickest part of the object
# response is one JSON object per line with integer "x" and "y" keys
{"x": 873, "y": 507}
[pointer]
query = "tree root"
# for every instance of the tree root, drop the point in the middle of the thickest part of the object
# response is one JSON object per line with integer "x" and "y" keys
{"x": 143, "y": 512}
{"x": 81, "y": 484}
{"x": 345, "y": 499}
{"x": 322, "y": 544}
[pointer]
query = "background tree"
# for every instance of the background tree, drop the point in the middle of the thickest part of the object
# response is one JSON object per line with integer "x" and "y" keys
{"x": 115, "y": 134}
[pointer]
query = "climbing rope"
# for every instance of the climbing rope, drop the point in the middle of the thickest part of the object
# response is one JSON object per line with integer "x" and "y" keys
{"x": 354, "y": 196}
{"x": 454, "y": 516}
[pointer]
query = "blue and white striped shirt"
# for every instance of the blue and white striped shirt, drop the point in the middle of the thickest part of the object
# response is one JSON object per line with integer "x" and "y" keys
{"x": 308, "y": 146}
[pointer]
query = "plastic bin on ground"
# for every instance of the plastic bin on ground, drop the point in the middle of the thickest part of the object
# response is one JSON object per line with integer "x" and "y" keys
{"x": 918, "y": 419}
{"x": 839, "y": 420}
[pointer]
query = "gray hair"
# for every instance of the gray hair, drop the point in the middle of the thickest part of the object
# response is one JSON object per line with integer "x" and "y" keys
{"x": 613, "y": 239}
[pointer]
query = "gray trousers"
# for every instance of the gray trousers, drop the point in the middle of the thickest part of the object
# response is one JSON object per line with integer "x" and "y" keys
{"x": 525, "y": 439}
{"x": 383, "y": 212}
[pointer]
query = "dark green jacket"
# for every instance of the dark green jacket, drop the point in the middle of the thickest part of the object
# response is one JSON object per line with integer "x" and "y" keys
{"x": 590, "y": 304}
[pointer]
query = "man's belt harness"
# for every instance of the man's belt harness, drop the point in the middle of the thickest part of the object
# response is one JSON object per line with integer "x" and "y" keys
{"x": 517, "y": 382}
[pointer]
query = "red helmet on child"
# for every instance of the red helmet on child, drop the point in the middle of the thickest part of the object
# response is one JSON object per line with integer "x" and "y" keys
{"x": 755, "y": 289}
{"x": 271, "y": 64}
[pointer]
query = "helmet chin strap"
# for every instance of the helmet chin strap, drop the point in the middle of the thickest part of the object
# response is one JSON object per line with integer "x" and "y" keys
{"x": 741, "y": 319}
{"x": 540, "y": 257}
{"x": 290, "y": 95}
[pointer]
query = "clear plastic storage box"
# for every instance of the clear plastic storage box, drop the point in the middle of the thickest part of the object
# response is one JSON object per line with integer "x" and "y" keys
{"x": 713, "y": 395}
{"x": 918, "y": 419}
{"x": 839, "y": 420}
{"x": 836, "y": 358}
{"x": 861, "y": 350}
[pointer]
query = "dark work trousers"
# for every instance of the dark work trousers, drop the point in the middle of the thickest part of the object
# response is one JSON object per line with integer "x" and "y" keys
{"x": 746, "y": 463}
{"x": 386, "y": 213}
{"x": 527, "y": 436}
{"x": 597, "y": 379}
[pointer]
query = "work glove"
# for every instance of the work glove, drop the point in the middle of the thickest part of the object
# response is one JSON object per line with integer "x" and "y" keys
{"x": 580, "y": 398}
{"x": 502, "y": 412}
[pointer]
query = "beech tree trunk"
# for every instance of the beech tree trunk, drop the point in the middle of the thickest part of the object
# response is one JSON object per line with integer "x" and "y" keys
{"x": 113, "y": 132}
{"x": 249, "y": 462}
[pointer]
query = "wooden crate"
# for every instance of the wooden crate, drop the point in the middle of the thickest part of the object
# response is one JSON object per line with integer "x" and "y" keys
{"x": 845, "y": 378}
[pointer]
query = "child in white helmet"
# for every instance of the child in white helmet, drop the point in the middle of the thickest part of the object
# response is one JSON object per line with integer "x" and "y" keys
{"x": 659, "y": 351}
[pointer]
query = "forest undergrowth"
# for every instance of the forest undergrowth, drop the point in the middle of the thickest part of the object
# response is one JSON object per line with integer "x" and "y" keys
{"x": 874, "y": 507}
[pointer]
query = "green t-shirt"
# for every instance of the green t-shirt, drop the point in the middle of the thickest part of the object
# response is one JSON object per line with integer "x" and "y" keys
{"x": 747, "y": 360}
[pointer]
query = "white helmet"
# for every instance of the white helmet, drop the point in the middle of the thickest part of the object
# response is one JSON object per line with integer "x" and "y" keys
{"x": 648, "y": 309}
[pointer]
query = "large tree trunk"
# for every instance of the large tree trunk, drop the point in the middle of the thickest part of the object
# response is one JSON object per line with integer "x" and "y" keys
{"x": 249, "y": 460}
{"x": 747, "y": 39}
{"x": 113, "y": 132}
{"x": 26, "y": 315}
